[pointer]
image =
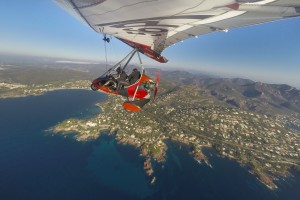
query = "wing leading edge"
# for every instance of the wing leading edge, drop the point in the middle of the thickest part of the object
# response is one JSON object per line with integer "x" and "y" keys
{"x": 151, "y": 26}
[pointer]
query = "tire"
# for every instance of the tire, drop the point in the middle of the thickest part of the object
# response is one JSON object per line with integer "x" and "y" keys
{"x": 93, "y": 87}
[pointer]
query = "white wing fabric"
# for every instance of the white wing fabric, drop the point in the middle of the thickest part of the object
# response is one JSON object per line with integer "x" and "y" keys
{"x": 153, "y": 25}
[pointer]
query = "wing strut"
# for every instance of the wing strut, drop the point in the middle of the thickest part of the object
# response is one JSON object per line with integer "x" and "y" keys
{"x": 142, "y": 66}
{"x": 129, "y": 57}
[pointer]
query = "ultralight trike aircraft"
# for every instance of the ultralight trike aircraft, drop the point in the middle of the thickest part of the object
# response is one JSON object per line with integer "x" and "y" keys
{"x": 138, "y": 93}
{"x": 149, "y": 27}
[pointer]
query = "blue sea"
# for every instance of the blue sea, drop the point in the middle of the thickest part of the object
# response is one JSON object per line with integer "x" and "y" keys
{"x": 36, "y": 164}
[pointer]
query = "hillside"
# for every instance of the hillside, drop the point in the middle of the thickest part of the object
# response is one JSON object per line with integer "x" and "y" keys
{"x": 240, "y": 93}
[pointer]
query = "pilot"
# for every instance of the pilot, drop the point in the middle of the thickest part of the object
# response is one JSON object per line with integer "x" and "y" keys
{"x": 118, "y": 70}
{"x": 112, "y": 82}
{"x": 117, "y": 74}
{"x": 114, "y": 79}
{"x": 134, "y": 76}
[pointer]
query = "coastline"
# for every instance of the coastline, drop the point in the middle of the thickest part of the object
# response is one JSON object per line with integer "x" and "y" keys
{"x": 156, "y": 149}
{"x": 160, "y": 156}
{"x": 37, "y": 90}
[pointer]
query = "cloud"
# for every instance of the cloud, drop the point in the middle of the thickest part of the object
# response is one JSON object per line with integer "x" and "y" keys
{"x": 76, "y": 62}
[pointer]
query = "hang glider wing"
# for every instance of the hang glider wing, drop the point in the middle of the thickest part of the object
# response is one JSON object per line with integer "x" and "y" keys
{"x": 152, "y": 25}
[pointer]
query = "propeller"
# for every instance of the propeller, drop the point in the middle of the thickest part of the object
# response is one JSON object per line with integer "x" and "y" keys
{"x": 156, "y": 83}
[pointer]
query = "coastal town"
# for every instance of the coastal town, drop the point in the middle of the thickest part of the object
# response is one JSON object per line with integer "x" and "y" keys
{"x": 10, "y": 90}
{"x": 265, "y": 144}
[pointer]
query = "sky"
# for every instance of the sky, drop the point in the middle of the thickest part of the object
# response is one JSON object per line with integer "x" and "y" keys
{"x": 267, "y": 53}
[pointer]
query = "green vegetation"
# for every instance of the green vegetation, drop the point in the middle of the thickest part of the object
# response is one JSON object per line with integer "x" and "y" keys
{"x": 196, "y": 112}
{"x": 248, "y": 137}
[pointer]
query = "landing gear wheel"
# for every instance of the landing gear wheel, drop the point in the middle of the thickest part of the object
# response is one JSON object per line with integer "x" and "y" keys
{"x": 93, "y": 87}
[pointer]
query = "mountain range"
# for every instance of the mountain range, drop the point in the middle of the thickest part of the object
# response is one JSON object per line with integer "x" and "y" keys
{"x": 241, "y": 93}
{"x": 237, "y": 92}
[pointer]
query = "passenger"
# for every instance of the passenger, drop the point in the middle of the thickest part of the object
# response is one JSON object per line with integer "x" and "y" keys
{"x": 134, "y": 76}
{"x": 121, "y": 81}
{"x": 123, "y": 76}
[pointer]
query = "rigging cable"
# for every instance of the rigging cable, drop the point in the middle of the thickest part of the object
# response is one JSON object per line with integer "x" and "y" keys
{"x": 105, "y": 54}
{"x": 106, "y": 40}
